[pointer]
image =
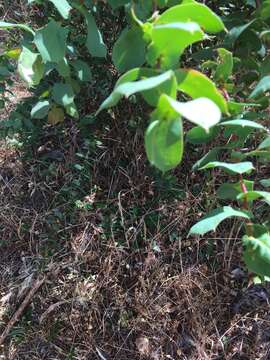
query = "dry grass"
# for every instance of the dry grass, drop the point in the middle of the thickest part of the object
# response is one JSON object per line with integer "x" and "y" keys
{"x": 122, "y": 279}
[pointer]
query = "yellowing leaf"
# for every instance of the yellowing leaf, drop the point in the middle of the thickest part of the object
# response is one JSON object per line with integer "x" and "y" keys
{"x": 56, "y": 116}
{"x": 13, "y": 53}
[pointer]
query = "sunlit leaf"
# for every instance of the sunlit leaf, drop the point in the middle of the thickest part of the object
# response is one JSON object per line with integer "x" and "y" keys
{"x": 211, "y": 221}
{"x": 51, "y": 42}
{"x": 192, "y": 11}
{"x": 165, "y": 53}
{"x": 237, "y": 168}
{"x": 196, "y": 85}
{"x": 30, "y": 67}
{"x": 202, "y": 111}
{"x": 40, "y": 110}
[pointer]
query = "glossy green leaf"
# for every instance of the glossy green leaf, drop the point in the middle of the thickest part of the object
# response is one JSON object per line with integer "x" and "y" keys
{"x": 51, "y": 42}
{"x": 262, "y": 155}
{"x": 235, "y": 33}
{"x": 82, "y": 70}
{"x": 214, "y": 218}
{"x": 198, "y": 135}
{"x": 262, "y": 87}
{"x": 63, "y": 7}
{"x": 194, "y": 12}
{"x": 72, "y": 110}
{"x": 236, "y": 108}
{"x": 30, "y": 67}
{"x": 265, "y": 144}
{"x": 242, "y": 123}
{"x": 165, "y": 53}
{"x": 196, "y": 85}
{"x": 231, "y": 191}
{"x": 265, "y": 182}
{"x": 7, "y": 25}
{"x": 236, "y": 168}
{"x": 212, "y": 155}
{"x": 164, "y": 143}
{"x": 63, "y": 94}
{"x": 225, "y": 65}
{"x": 126, "y": 89}
{"x": 152, "y": 95}
{"x": 257, "y": 253}
{"x": 129, "y": 50}
{"x": 94, "y": 40}
{"x": 201, "y": 111}
{"x": 40, "y": 110}
{"x": 255, "y": 195}
{"x": 63, "y": 68}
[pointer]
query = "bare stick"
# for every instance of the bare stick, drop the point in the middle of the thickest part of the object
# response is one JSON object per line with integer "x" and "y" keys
{"x": 21, "y": 309}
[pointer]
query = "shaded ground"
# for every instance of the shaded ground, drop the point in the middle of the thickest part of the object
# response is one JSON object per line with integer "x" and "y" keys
{"x": 82, "y": 207}
{"x": 122, "y": 278}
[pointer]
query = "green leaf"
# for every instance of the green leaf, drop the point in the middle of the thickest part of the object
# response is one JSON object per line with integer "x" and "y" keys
{"x": 214, "y": 218}
{"x": 263, "y": 155}
{"x": 63, "y": 7}
{"x": 195, "y": 12}
{"x": 63, "y": 94}
{"x": 164, "y": 143}
{"x": 236, "y": 108}
{"x": 72, "y": 110}
{"x": 210, "y": 156}
{"x": 257, "y": 253}
{"x": 7, "y": 25}
{"x": 231, "y": 191}
{"x": 255, "y": 195}
{"x": 201, "y": 111}
{"x": 131, "y": 87}
{"x": 225, "y": 65}
{"x": 40, "y": 110}
{"x": 262, "y": 87}
{"x": 152, "y": 95}
{"x": 242, "y": 123}
{"x": 265, "y": 10}
{"x": 235, "y": 33}
{"x": 30, "y": 67}
{"x": 82, "y": 70}
{"x": 163, "y": 52}
{"x": 198, "y": 135}
{"x": 129, "y": 49}
{"x": 63, "y": 68}
{"x": 265, "y": 182}
{"x": 237, "y": 168}
{"x": 265, "y": 144}
{"x": 196, "y": 85}
{"x": 51, "y": 42}
{"x": 94, "y": 41}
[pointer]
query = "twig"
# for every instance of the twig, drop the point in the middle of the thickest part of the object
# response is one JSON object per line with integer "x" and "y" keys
{"x": 21, "y": 309}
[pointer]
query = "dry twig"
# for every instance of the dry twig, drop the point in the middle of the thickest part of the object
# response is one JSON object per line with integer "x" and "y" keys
{"x": 21, "y": 309}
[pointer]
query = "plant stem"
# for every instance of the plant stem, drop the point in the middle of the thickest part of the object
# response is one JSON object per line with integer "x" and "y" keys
{"x": 249, "y": 225}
